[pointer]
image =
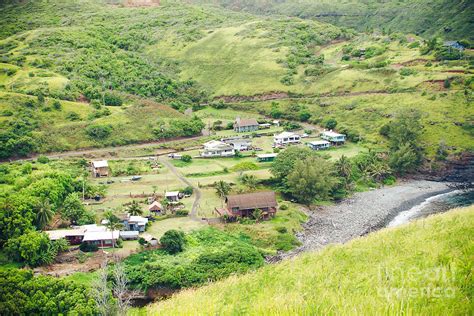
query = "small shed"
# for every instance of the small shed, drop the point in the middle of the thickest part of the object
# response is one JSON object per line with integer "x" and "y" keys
{"x": 172, "y": 196}
{"x": 129, "y": 235}
{"x": 155, "y": 207}
{"x": 100, "y": 168}
{"x": 266, "y": 157}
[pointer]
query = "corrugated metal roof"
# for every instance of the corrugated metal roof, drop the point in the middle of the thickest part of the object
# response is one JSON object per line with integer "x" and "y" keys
{"x": 100, "y": 163}
{"x": 63, "y": 233}
{"x": 246, "y": 122}
{"x": 252, "y": 200}
{"x": 102, "y": 235}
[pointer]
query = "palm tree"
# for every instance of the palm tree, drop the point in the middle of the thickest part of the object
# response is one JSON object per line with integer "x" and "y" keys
{"x": 113, "y": 224}
{"x": 165, "y": 203}
{"x": 222, "y": 188}
{"x": 344, "y": 170}
{"x": 250, "y": 181}
{"x": 134, "y": 208}
{"x": 257, "y": 214}
{"x": 44, "y": 213}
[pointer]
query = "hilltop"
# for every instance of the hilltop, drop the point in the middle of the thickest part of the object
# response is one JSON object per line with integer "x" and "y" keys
{"x": 446, "y": 18}
{"x": 430, "y": 275}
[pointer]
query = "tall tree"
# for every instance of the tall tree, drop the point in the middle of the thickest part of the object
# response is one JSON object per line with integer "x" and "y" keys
{"x": 113, "y": 224}
{"x": 406, "y": 153}
{"x": 222, "y": 188}
{"x": 344, "y": 170}
{"x": 134, "y": 208}
{"x": 44, "y": 213}
{"x": 286, "y": 160}
{"x": 72, "y": 208}
{"x": 311, "y": 179}
{"x": 250, "y": 181}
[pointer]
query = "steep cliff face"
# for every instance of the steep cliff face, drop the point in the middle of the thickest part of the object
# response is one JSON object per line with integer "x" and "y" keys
{"x": 461, "y": 170}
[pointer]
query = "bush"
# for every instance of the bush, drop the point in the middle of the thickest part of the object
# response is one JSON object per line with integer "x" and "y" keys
{"x": 407, "y": 72}
{"x": 142, "y": 241}
{"x": 245, "y": 165}
{"x": 186, "y": 158}
{"x": 98, "y": 132}
{"x": 330, "y": 123}
{"x": 57, "y": 105}
{"x": 86, "y": 247}
{"x": 73, "y": 116}
{"x": 182, "y": 213}
{"x": 283, "y": 207}
{"x": 119, "y": 243}
{"x": 282, "y": 230}
{"x": 112, "y": 99}
{"x": 42, "y": 159}
{"x": 187, "y": 190}
{"x": 447, "y": 84}
{"x": 173, "y": 241}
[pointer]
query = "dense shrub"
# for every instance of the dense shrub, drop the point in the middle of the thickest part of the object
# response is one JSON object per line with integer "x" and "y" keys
{"x": 182, "y": 213}
{"x": 86, "y": 247}
{"x": 212, "y": 255}
{"x": 23, "y": 294}
{"x": 112, "y": 99}
{"x": 32, "y": 248}
{"x": 173, "y": 241}
{"x": 186, "y": 158}
{"x": 98, "y": 132}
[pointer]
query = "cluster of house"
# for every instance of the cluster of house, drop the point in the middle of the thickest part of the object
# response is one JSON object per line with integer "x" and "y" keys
{"x": 100, "y": 235}
{"x": 226, "y": 147}
{"x": 329, "y": 138}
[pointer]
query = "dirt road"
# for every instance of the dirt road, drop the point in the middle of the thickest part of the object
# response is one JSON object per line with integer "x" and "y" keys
{"x": 196, "y": 191}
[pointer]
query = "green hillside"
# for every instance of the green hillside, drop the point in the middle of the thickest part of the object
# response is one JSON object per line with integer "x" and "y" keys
{"x": 430, "y": 275}
{"x": 100, "y": 54}
{"x": 446, "y": 18}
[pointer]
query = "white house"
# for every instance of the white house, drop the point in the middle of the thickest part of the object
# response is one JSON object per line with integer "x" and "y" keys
{"x": 172, "y": 196}
{"x": 333, "y": 137}
{"x": 239, "y": 144}
{"x": 319, "y": 144}
{"x": 102, "y": 239}
{"x": 286, "y": 138}
{"x": 215, "y": 148}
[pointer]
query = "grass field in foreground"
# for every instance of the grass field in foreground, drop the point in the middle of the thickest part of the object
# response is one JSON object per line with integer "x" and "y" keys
{"x": 421, "y": 268}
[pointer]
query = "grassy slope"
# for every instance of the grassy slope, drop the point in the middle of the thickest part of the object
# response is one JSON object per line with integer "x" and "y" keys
{"x": 226, "y": 63}
{"x": 425, "y": 17}
{"x": 130, "y": 123}
{"x": 353, "y": 278}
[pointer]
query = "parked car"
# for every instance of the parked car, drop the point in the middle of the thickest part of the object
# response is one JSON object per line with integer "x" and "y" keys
{"x": 136, "y": 178}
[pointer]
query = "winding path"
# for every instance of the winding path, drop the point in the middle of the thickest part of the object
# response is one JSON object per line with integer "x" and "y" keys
{"x": 196, "y": 191}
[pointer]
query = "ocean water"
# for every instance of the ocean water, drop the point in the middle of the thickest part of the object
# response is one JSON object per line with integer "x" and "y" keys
{"x": 433, "y": 205}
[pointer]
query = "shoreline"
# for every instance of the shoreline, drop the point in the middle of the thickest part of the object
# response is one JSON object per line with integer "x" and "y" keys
{"x": 360, "y": 214}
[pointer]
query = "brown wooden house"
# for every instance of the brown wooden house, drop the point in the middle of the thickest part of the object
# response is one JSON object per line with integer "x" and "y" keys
{"x": 243, "y": 205}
